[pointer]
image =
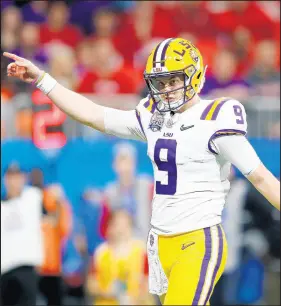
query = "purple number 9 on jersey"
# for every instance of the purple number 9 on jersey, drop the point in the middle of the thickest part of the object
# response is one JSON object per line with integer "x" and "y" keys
{"x": 169, "y": 165}
{"x": 238, "y": 113}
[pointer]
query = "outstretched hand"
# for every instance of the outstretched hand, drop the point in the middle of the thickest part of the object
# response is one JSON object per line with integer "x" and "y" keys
{"x": 22, "y": 68}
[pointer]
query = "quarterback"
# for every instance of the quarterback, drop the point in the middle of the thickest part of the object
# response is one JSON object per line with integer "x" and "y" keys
{"x": 191, "y": 143}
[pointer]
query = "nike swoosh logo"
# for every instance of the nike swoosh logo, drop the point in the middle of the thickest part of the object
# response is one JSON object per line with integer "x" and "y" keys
{"x": 183, "y": 128}
{"x": 186, "y": 245}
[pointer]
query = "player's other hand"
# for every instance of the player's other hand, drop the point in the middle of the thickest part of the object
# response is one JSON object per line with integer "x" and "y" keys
{"x": 22, "y": 69}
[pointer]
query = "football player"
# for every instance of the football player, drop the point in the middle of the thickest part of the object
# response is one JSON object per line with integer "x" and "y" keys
{"x": 191, "y": 143}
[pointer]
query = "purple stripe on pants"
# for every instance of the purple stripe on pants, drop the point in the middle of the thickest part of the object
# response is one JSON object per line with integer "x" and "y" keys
{"x": 217, "y": 264}
{"x": 204, "y": 267}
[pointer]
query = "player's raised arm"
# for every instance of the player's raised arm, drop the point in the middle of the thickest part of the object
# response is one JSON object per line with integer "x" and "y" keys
{"x": 73, "y": 104}
{"x": 117, "y": 122}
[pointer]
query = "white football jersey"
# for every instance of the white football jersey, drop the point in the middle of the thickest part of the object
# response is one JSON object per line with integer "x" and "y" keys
{"x": 191, "y": 178}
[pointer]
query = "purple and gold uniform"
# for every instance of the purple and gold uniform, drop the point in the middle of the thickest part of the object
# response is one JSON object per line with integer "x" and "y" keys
{"x": 186, "y": 245}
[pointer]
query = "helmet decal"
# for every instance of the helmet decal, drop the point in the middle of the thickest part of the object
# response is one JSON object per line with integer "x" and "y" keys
{"x": 160, "y": 52}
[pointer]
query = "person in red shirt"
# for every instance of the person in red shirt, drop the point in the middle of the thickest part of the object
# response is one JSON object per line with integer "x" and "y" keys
{"x": 246, "y": 14}
{"x": 105, "y": 23}
{"x": 109, "y": 75}
{"x": 57, "y": 27}
{"x": 194, "y": 19}
{"x": 148, "y": 20}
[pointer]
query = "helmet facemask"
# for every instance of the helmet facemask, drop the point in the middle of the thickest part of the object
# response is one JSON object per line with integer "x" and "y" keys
{"x": 179, "y": 90}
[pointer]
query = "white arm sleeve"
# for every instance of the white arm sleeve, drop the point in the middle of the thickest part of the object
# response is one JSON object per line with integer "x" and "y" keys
{"x": 124, "y": 124}
{"x": 237, "y": 150}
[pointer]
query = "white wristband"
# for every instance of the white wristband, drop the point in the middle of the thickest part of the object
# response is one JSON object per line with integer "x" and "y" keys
{"x": 46, "y": 84}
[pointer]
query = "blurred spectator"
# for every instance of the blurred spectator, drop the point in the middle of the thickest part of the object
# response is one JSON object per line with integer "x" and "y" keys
{"x": 246, "y": 14}
{"x": 57, "y": 28}
{"x": 82, "y": 11}
{"x": 24, "y": 122}
{"x": 90, "y": 214}
{"x": 108, "y": 74}
{"x": 21, "y": 239}
{"x": 5, "y": 3}
{"x": 104, "y": 23}
{"x": 117, "y": 277}
{"x": 225, "y": 292}
{"x": 223, "y": 79}
{"x": 56, "y": 226}
{"x": 62, "y": 65}
{"x": 131, "y": 191}
{"x": 274, "y": 130}
{"x": 84, "y": 55}
{"x": 11, "y": 21}
{"x": 147, "y": 20}
{"x": 264, "y": 77}
{"x": 242, "y": 45}
{"x": 35, "y": 11}
{"x": 86, "y": 237}
{"x": 193, "y": 19}
{"x": 29, "y": 46}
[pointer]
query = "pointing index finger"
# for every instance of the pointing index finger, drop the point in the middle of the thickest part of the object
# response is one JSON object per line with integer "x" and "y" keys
{"x": 12, "y": 56}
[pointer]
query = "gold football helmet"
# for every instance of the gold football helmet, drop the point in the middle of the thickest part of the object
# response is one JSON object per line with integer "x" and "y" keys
{"x": 174, "y": 73}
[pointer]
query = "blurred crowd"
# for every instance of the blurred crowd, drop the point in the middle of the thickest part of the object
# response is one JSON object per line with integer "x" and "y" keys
{"x": 94, "y": 246}
{"x": 102, "y": 46}
{"x": 94, "y": 249}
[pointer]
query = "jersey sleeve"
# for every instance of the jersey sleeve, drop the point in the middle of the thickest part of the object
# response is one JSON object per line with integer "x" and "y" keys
{"x": 230, "y": 119}
{"x": 124, "y": 124}
{"x": 237, "y": 150}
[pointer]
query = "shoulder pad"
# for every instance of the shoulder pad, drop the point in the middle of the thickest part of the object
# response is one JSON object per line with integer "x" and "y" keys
{"x": 148, "y": 104}
{"x": 212, "y": 110}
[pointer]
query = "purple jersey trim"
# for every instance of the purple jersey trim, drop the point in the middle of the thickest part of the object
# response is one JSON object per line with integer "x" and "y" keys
{"x": 139, "y": 120}
{"x": 147, "y": 103}
{"x": 216, "y": 112}
{"x": 153, "y": 108}
{"x": 206, "y": 110}
{"x": 223, "y": 132}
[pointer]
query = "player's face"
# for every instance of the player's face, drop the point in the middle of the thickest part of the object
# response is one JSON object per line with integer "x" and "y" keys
{"x": 171, "y": 87}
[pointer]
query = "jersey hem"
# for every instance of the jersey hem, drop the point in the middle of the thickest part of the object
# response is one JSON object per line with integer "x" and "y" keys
{"x": 161, "y": 233}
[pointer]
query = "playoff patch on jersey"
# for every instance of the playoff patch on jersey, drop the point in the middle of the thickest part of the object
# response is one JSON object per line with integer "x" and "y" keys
{"x": 156, "y": 122}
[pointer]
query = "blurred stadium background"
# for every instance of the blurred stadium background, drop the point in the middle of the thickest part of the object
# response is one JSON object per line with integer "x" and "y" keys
{"x": 99, "y": 48}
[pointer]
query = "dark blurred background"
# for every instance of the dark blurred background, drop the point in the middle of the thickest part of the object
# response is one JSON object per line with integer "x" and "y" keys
{"x": 99, "y": 48}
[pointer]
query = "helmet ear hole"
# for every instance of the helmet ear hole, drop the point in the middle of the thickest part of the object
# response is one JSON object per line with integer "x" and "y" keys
{"x": 198, "y": 76}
